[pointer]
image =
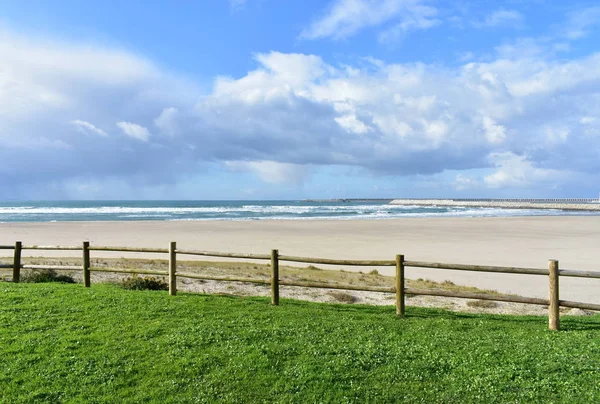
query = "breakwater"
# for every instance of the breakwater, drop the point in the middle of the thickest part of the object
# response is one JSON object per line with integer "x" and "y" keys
{"x": 351, "y": 200}
{"x": 558, "y": 204}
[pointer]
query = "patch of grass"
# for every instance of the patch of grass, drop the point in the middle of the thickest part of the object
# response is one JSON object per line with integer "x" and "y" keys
{"x": 482, "y": 304}
{"x": 45, "y": 275}
{"x": 310, "y": 273}
{"x": 144, "y": 283}
{"x": 343, "y": 297}
{"x": 66, "y": 343}
{"x": 445, "y": 285}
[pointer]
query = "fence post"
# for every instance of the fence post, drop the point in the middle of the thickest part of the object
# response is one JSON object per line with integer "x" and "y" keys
{"x": 17, "y": 262}
{"x": 172, "y": 268}
{"x": 400, "y": 285}
{"x": 86, "y": 264}
{"x": 553, "y": 308}
{"x": 275, "y": 277}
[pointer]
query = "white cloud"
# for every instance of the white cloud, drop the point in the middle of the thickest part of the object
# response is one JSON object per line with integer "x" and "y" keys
{"x": 556, "y": 134}
{"x": 87, "y": 128}
{"x": 494, "y": 133}
{"x": 501, "y": 18}
{"x": 464, "y": 183}
{"x": 465, "y": 57}
{"x": 294, "y": 111}
{"x": 272, "y": 171}
{"x": 352, "y": 124}
{"x": 237, "y": 5}
{"x": 168, "y": 120}
{"x": 346, "y": 17}
{"x": 134, "y": 130}
{"x": 587, "y": 120}
{"x": 581, "y": 22}
{"x": 419, "y": 18}
{"x": 516, "y": 171}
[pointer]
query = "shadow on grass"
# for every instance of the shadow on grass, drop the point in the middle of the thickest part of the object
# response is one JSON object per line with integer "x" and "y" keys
{"x": 568, "y": 323}
{"x": 583, "y": 323}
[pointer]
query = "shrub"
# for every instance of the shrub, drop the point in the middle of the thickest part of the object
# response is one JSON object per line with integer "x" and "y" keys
{"x": 482, "y": 304}
{"x": 46, "y": 275}
{"x": 343, "y": 297}
{"x": 139, "y": 283}
{"x": 374, "y": 272}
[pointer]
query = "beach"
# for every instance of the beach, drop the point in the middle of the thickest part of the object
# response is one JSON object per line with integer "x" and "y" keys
{"x": 500, "y": 241}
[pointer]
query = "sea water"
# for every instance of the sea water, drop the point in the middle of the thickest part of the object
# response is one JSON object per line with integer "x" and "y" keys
{"x": 59, "y": 211}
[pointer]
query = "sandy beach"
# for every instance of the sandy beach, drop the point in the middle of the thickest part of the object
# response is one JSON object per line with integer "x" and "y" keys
{"x": 515, "y": 241}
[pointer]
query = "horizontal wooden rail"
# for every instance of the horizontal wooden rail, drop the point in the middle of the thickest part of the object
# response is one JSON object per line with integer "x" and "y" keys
{"x": 579, "y": 274}
{"x": 7, "y": 247}
{"x": 383, "y": 289}
{"x": 480, "y": 268}
{"x": 307, "y": 260}
{"x": 56, "y": 267}
{"x": 51, "y": 247}
{"x": 128, "y": 271}
{"x": 481, "y": 296}
{"x": 577, "y": 305}
{"x": 6, "y": 266}
{"x": 127, "y": 249}
{"x": 224, "y": 254}
{"x": 220, "y": 278}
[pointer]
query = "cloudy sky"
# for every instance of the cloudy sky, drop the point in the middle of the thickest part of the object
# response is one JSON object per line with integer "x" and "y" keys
{"x": 273, "y": 99}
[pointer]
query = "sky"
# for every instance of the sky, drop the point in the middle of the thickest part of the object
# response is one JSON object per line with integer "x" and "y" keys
{"x": 292, "y": 99}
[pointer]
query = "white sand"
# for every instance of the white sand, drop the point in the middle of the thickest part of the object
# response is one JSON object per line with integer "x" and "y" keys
{"x": 518, "y": 241}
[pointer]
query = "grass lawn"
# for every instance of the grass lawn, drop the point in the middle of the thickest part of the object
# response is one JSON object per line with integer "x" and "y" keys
{"x": 64, "y": 343}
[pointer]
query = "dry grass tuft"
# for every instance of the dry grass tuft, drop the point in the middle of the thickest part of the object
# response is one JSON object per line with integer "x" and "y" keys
{"x": 343, "y": 297}
{"x": 482, "y": 304}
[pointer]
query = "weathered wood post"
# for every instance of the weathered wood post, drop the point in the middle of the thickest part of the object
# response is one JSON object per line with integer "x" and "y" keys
{"x": 86, "y": 264}
{"x": 275, "y": 277}
{"x": 400, "y": 285}
{"x": 172, "y": 268}
{"x": 17, "y": 262}
{"x": 553, "y": 308}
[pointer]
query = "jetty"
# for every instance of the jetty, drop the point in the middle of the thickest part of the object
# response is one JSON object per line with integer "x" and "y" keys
{"x": 573, "y": 204}
{"x": 351, "y": 200}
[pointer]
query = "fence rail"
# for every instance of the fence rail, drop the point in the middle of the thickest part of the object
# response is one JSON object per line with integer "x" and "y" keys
{"x": 224, "y": 255}
{"x": 552, "y": 272}
{"x": 337, "y": 262}
{"x": 479, "y": 268}
{"x": 51, "y": 247}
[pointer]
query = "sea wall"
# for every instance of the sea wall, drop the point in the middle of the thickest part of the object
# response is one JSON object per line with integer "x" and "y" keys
{"x": 500, "y": 204}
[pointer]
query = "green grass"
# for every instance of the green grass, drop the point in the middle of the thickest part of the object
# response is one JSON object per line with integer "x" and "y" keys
{"x": 63, "y": 343}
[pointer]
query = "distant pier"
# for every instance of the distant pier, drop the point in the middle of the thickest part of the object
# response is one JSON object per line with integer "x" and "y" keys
{"x": 358, "y": 200}
{"x": 575, "y": 204}
{"x": 532, "y": 200}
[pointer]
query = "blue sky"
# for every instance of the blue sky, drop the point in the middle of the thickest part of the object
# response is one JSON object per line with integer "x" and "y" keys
{"x": 274, "y": 99}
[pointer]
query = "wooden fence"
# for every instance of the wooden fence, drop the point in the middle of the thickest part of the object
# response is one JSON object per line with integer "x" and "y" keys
{"x": 553, "y": 273}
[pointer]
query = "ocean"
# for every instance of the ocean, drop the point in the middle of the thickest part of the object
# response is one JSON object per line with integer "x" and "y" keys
{"x": 62, "y": 211}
